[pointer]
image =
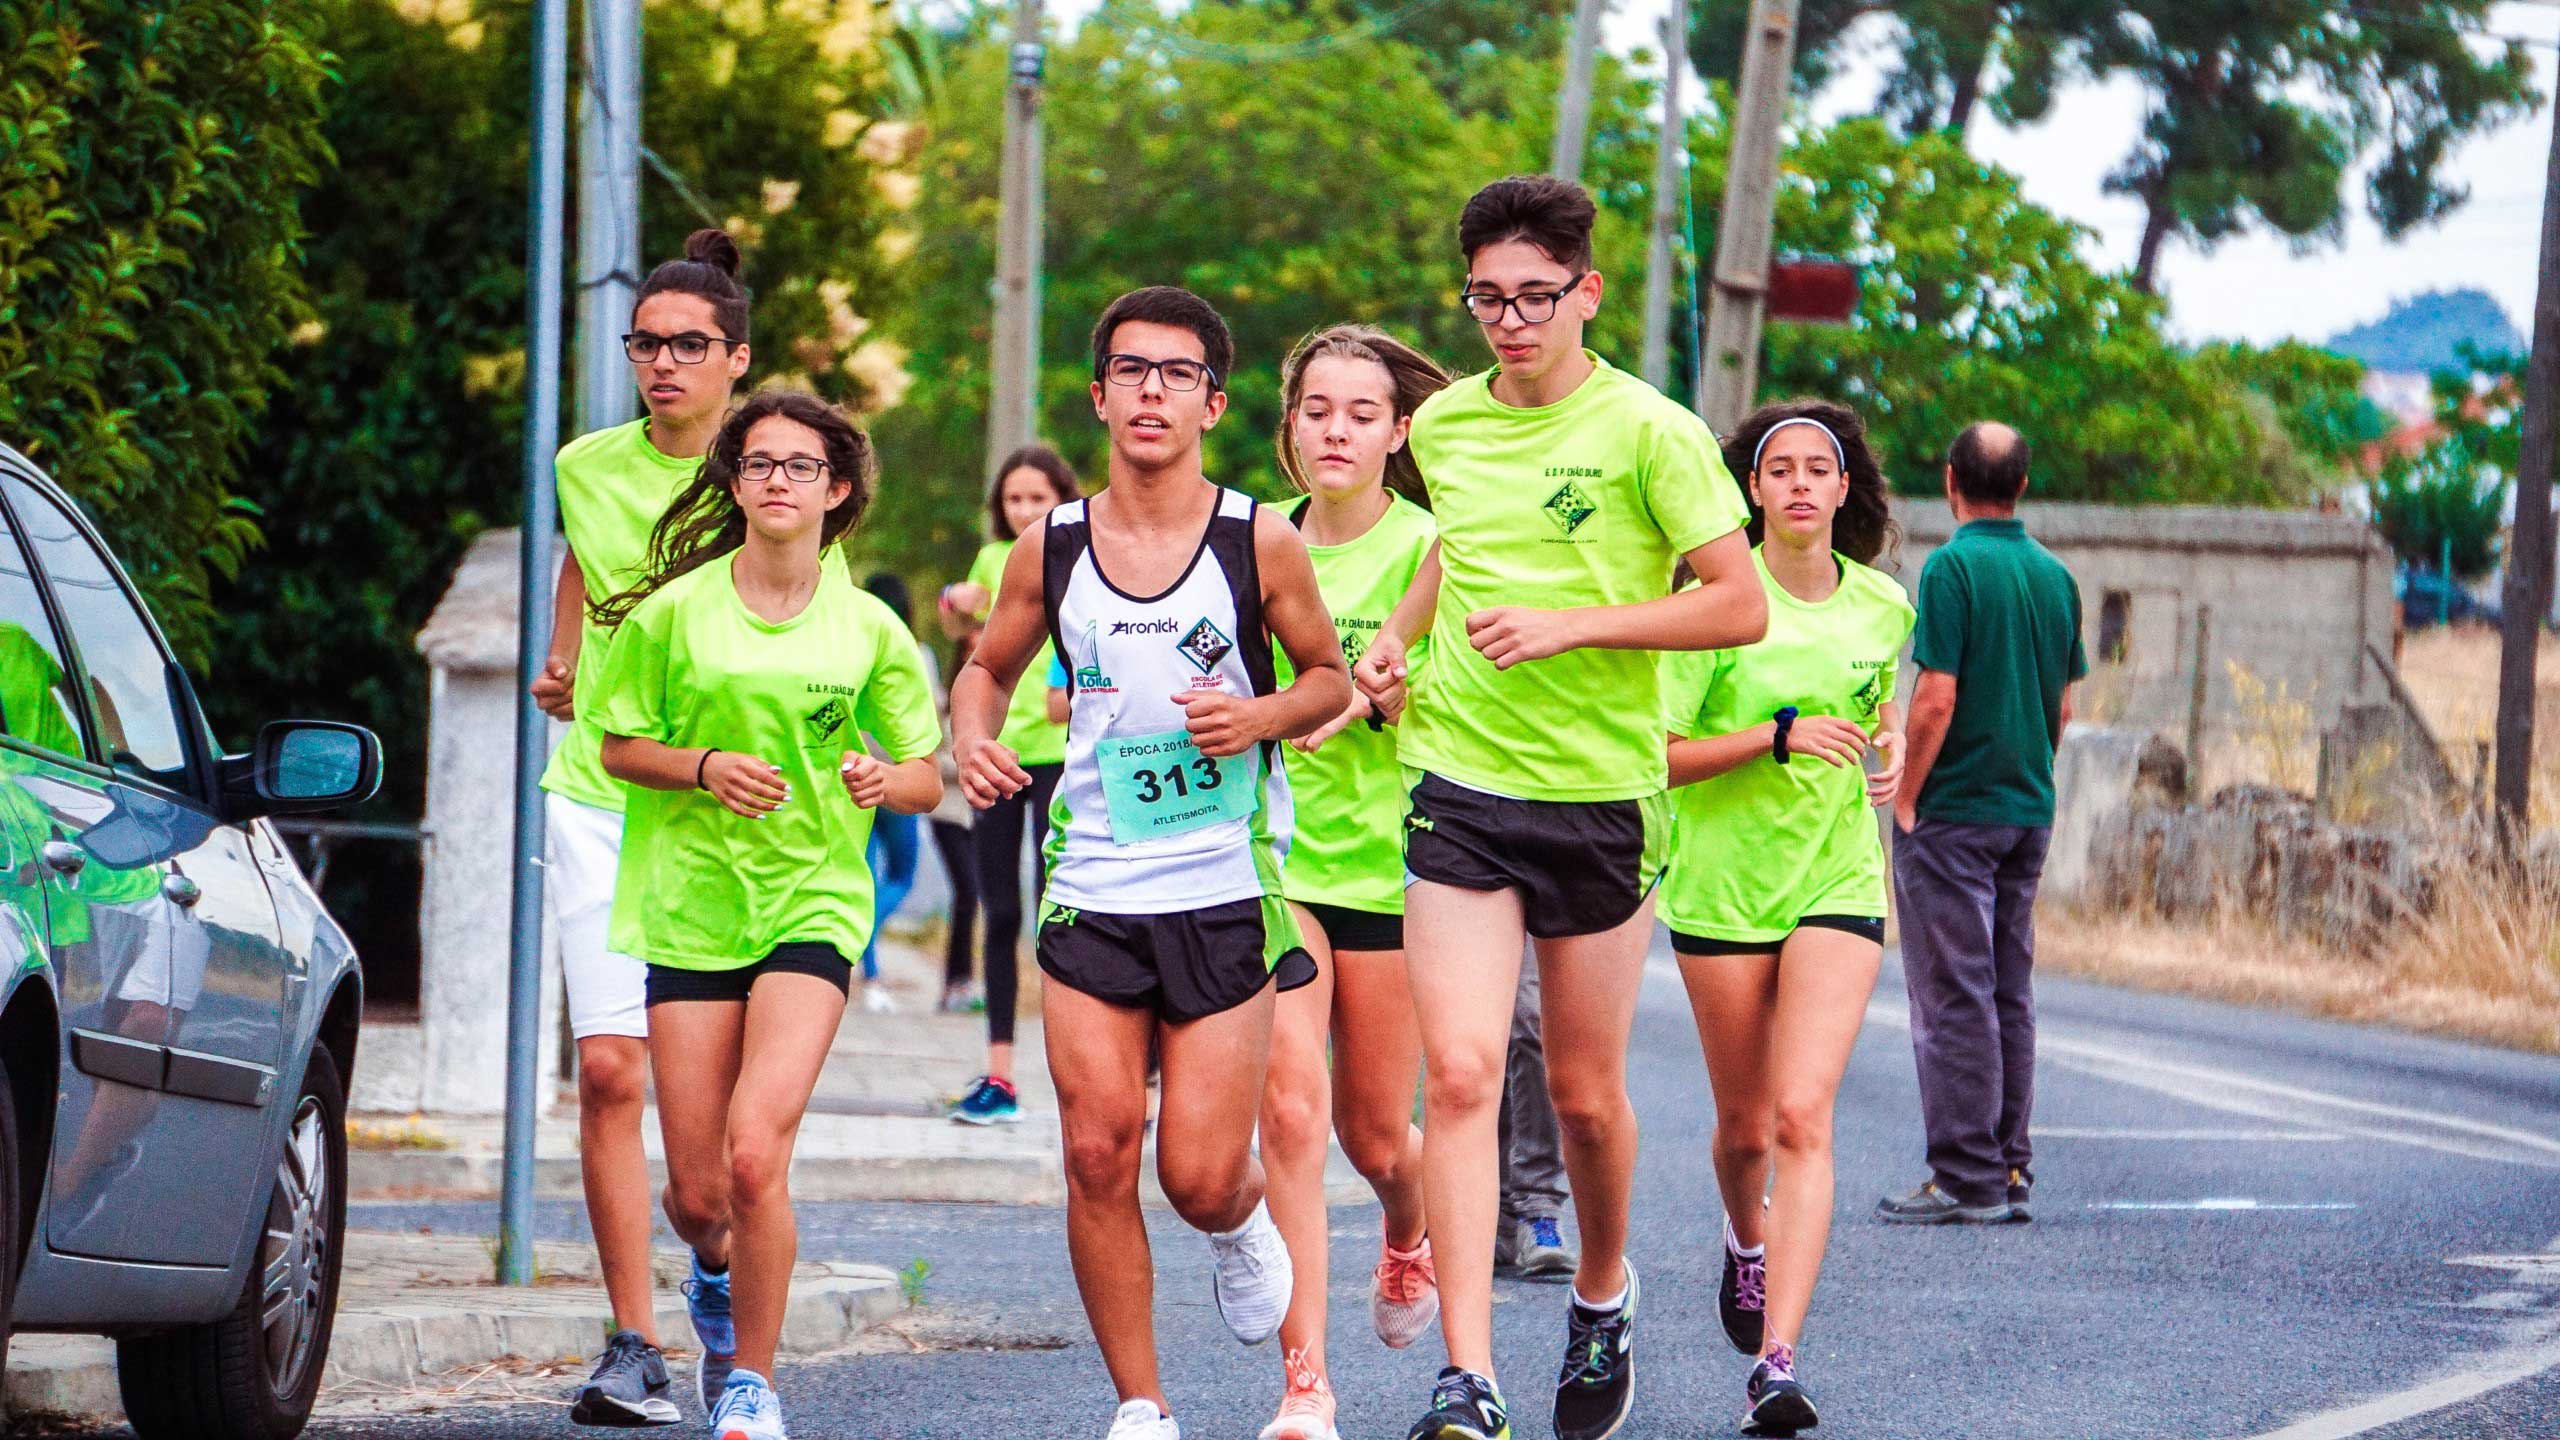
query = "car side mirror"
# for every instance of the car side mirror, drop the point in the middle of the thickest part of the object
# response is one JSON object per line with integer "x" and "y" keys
{"x": 302, "y": 767}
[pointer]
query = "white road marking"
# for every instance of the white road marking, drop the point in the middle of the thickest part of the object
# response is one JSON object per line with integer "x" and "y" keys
{"x": 2237, "y": 1202}
{"x": 2531, "y": 1350}
{"x": 2082, "y": 1132}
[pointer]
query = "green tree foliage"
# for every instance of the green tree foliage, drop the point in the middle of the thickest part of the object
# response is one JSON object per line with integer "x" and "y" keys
{"x": 398, "y": 436}
{"x": 151, "y": 161}
{"x": 2455, "y": 490}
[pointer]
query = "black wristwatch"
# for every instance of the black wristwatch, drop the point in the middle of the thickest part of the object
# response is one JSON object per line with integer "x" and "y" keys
{"x": 1786, "y": 718}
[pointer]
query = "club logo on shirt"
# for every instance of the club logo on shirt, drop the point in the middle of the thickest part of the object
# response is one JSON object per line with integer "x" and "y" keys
{"x": 826, "y": 720}
{"x": 1569, "y": 507}
{"x": 1871, "y": 694}
{"x": 1204, "y": 645}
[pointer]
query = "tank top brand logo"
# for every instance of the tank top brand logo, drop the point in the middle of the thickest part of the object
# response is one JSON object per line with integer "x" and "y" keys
{"x": 1204, "y": 645}
{"x": 1569, "y": 507}
{"x": 825, "y": 721}
{"x": 1089, "y": 679}
{"x": 1143, "y": 627}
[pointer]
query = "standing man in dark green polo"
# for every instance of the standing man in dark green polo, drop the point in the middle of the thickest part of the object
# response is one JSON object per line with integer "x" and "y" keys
{"x": 1998, "y": 648}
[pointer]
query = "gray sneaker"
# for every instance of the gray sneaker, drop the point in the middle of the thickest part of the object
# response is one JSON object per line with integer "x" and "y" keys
{"x": 630, "y": 1387}
{"x": 1541, "y": 1252}
{"x": 2021, "y": 1192}
{"x": 1930, "y": 1205}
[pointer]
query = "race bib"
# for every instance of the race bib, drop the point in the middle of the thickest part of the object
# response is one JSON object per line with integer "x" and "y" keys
{"x": 1160, "y": 785}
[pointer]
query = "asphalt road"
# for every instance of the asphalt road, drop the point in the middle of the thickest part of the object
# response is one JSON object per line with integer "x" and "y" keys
{"x": 2248, "y": 1226}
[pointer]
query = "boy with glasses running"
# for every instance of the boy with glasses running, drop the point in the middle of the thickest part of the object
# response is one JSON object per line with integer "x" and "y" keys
{"x": 1540, "y": 762}
{"x": 1163, "y": 919}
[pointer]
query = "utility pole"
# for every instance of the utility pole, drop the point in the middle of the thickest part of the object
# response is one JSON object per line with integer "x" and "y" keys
{"x": 1013, "y": 402}
{"x": 1669, "y": 175}
{"x": 2528, "y": 590}
{"x": 608, "y": 211}
{"x": 1729, "y": 371}
{"x": 1573, "y": 101}
{"x": 533, "y": 638}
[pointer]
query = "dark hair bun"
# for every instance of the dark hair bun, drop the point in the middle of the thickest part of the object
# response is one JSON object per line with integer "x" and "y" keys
{"x": 715, "y": 248}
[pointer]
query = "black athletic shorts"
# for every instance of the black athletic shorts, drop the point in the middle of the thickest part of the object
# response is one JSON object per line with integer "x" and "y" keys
{"x": 1581, "y": 867}
{"x": 1865, "y": 927}
{"x": 792, "y": 957}
{"x": 1184, "y": 966}
{"x": 1348, "y": 929}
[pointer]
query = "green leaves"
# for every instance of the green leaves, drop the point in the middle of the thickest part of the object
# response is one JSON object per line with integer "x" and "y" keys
{"x": 2454, "y": 489}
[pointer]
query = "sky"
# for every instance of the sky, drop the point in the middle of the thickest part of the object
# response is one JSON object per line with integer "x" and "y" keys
{"x": 2254, "y": 287}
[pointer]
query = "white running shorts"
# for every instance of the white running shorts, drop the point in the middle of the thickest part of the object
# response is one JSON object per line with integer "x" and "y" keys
{"x": 608, "y": 991}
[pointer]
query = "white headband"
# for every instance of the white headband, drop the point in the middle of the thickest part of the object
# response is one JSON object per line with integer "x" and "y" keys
{"x": 1837, "y": 452}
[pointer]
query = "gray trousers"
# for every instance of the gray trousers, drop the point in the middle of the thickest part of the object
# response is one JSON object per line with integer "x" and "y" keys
{"x": 1531, "y": 1146}
{"x": 1968, "y": 895}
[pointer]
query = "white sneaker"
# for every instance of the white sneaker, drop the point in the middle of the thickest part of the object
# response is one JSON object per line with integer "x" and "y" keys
{"x": 748, "y": 1409}
{"x": 1252, "y": 1278}
{"x": 876, "y": 1000}
{"x": 1141, "y": 1420}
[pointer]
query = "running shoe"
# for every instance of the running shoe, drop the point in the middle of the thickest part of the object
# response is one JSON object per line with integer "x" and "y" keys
{"x": 1598, "y": 1384}
{"x": 2021, "y": 1191}
{"x": 1779, "y": 1404}
{"x": 1306, "y": 1408}
{"x": 1404, "y": 1293}
{"x": 1543, "y": 1253}
{"x": 962, "y": 998}
{"x": 706, "y": 1299}
{"x": 1251, "y": 1281}
{"x": 990, "y": 1101}
{"x": 748, "y": 1410}
{"x": 1930, "y": 1205}
{"x": 877, "y": 1000}
{"x": 1464, "y": 1406}
{"x": 629, "y": 1387}
{"x": 1141, "y": 1420}
{"x": 1743, "y": 1299}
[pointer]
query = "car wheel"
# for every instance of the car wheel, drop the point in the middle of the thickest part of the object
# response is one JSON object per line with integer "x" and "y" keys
{"x": 254, "y": 1373}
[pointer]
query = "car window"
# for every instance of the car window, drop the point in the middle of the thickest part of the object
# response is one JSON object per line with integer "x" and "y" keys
{"x": 137, "y": 713}
{"x": 36, "y": 701}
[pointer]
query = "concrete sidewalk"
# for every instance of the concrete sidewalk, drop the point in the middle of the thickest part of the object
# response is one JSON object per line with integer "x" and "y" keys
{"x": 417, "y": 1316}
{"x": 875, "y": 1130}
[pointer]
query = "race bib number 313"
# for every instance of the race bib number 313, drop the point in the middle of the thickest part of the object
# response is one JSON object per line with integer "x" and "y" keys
{"x": 1160, "y": 785}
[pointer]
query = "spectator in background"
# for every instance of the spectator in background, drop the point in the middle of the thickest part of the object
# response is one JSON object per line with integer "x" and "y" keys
{"x": 896, "y": 840}
{"x": 956, "y": 843}
{"x": 1998, "y": 650}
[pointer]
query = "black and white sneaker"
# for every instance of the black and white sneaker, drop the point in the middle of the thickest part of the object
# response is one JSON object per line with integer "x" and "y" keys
{"x": 1742, "y": 1301}
{"x": 1779, "y": 1405}
{"x": 630, "y": 1387}
{"x": 1464, "y": 1406}
{"x": 1598, "y": 1384}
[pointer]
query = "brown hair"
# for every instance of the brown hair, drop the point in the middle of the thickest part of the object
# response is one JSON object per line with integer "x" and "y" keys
{"x": 705, "y": 522}
{"x": 1864, "y": 528}
{"x": 1062, "y": 479}
{"x": 1412, "y": 375}
{"x": 709, "y": 270}
{"x": 1553, "y": 214}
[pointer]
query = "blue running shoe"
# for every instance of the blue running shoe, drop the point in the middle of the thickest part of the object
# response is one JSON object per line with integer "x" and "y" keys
{"x": 990, "y": 1101}
{"x": 748, "y": 1410}
{"x": 706, "y": 1296}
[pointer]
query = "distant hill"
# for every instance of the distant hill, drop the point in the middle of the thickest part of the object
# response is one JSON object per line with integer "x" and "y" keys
{"x": 2424, "y": 333}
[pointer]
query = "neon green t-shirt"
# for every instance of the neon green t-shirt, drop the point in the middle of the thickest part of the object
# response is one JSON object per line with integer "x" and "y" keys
{"x": 701, "y": 888}
{"x": 1588, "y": 501}
{"x": 1350, "y": 796}
{"x": 614, "y": 487}
{"x": 1763, "y": 845}
{"x": 1034, "y": 738}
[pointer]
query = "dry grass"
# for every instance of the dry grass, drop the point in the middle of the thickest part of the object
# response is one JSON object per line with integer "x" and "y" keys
{"x": 2452, "y": 671}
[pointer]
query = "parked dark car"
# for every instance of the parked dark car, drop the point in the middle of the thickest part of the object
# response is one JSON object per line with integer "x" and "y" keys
{"x": 2427, "y": 599}
{"x": 177, "y": 1011}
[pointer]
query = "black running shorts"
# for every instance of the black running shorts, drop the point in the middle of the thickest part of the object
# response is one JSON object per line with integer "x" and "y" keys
{"x": 1358, "y": 930}
{"x": 1184, "y": 966}
{"x": 1865, "y": 927}
{"x": 1580, "y": 867}
{"x": 668, "y": 983}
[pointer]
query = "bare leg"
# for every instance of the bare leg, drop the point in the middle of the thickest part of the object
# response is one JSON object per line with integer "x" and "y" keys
{"x": 1824, "y": 979}
{"x": 1098, "y": 1059}
{"x": 698, "y": 1040}
{"x": 1297, "y": 1117}
{"x": 613, "y": 1089}
{"x": 1588, "y": 984}
{"x": 1731, "y": 997}
{"x": 1462, "y": 950}
{"x": 791, "y": 1022}
{"x": 1214, "y": 1069}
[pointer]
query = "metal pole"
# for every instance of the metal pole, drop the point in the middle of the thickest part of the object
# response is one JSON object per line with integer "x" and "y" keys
{"x": 1573, "y": 101}
{"x": 1669, "y": 176}
{"x": 2528, "y": 590}
{"x": 533, "y": 601}
{"x": 608, "y": 211}
{"x": 1729, "y": 371}
{"x": 1013, "y": 404}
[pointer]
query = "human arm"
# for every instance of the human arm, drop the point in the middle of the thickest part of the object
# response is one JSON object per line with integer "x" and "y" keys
{"x": 1386, "y": 665}
{"x": 989, "y": 770}
{"x": 1222, "y": 724}
{"x": 962, "y": 608}
{"x": 910, "y": 787}
{"x": 1827, "y": 738}
{"x": 1933, "y": 706}
{"x": 1726, "y": 609}
{"x": 747, "y": 785}
{"x": 553, "y": 688}
{"x": 1885, "y": 781}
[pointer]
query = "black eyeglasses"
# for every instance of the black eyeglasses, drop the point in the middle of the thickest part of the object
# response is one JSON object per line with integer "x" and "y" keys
{"x": 691, "y": 348}
{"x": 799, "y": 469}
{"x": 1132, "y": 370}
{"x": 1536, "y": 307}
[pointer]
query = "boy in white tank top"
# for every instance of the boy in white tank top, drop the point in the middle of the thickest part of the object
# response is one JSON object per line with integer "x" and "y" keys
{"x": 1163, "y": 919}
